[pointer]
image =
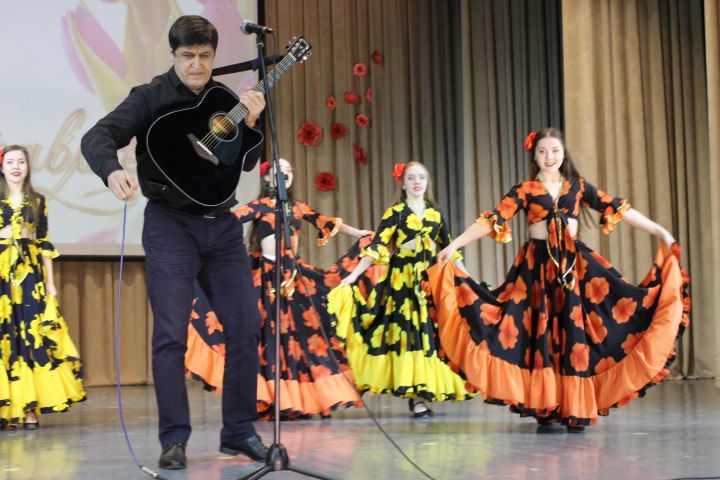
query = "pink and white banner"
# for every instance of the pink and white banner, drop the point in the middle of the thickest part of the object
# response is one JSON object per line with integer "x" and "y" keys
{"x": 69, "y": 62}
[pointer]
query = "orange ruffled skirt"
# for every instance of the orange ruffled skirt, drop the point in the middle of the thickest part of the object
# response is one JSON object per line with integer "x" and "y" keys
{"x": 311, "y": 381}
{"x": 557, "y": 353}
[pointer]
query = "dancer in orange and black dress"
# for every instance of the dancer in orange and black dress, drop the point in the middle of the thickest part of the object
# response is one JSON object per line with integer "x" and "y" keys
{"x": 565, "y": 337}
{"x": 312, "y": 383}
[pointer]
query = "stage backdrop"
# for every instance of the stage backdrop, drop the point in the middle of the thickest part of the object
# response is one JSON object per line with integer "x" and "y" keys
{"x": 456, "y": 85}
{"x": 69, "y": 62}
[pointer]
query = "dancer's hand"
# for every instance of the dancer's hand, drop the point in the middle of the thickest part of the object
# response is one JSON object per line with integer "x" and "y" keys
{"x": 362, "y": 233}
{"x": 446, "y": 254}
{"x": 666, "y": 237}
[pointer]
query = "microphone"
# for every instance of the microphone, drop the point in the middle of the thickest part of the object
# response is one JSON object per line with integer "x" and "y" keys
{"x": 249, "y": 28}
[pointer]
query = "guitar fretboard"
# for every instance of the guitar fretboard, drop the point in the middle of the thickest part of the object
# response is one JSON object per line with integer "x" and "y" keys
{"x": 239, "y": 112}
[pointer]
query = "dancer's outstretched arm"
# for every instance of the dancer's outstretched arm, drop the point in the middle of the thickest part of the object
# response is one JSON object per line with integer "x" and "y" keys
{"x": 640, "y": 221}
{"x": 472, "y": 233}
{"x": 353, "y": 232}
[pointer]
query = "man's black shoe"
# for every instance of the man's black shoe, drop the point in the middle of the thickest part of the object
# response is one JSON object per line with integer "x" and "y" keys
{"x": 173, "y": 457}
{"x": 251, "y": 447}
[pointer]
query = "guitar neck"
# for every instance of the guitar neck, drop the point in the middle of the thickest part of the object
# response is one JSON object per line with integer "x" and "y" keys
{"x": 239, "y": 112}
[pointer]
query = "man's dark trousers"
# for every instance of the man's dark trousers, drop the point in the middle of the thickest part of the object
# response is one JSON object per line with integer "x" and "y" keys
{"x": 179, "y": 249}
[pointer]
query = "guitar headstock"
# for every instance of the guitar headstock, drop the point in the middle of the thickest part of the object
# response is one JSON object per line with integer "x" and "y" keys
{"x": 299, "y": 48}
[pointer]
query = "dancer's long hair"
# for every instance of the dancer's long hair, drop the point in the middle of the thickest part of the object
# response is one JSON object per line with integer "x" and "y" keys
{"x": 567, "y": 169}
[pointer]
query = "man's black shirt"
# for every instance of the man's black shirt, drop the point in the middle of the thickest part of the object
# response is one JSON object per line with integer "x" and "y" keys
{"x": 133, "y": 117}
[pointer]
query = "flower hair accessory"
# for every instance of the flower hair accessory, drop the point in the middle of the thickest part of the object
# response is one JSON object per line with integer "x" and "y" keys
{"x": 264, "y": 167}
{"x": 2, "y": 154}
{"x": 398, "y": 171}
{"x": 529, "y": 141}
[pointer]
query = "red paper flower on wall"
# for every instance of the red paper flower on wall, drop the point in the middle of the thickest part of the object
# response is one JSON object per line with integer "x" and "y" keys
{"x": 360, "y": 154}
{"x": 360, "y": 69}
{"x": 352, "y": 97}
{"x": 377, "y": 57}
{"x": 330, "y": 103}
{"x": 362, "y": 120}
{"x": 338, "y": 131}
{"x": 309, "y": 134}
{"x": 325, "y": 181}
{"x": 368, "y": 94}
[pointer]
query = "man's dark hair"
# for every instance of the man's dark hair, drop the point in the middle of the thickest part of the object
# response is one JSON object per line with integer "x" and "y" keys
{"x": 192, "y": 30}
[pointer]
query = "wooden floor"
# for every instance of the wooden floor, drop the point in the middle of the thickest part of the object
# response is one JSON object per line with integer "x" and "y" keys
{"x": 674, "y": 432}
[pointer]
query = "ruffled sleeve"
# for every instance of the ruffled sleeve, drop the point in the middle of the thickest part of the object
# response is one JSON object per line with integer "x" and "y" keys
{"x": 42, "y": 234}
{"x": 497, "y": 219}
{"x": 327, "y": 226}
{"x": 249, "y": 211}
{"x": 379, "y": 249}
{"x": 611, "y": 208}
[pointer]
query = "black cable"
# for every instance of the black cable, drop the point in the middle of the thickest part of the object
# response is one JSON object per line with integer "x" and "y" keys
{"x": 370, "y": 413}
{"x": 121, "y": 412}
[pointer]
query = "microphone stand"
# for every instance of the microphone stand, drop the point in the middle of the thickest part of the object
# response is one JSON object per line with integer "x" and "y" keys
{"x": 277, "y": 456}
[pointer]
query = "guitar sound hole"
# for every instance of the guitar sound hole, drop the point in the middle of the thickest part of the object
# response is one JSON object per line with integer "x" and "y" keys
{"x": 223, "y": 127}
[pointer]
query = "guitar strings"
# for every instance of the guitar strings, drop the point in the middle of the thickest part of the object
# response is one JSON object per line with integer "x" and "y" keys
{"x": 236, "y": 114}
{"x": 239, "y": 112}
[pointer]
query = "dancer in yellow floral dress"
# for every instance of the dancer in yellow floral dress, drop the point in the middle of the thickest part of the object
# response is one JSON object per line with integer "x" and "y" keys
{"x": 39, "y": 365}
{"x": 391, "y": 341}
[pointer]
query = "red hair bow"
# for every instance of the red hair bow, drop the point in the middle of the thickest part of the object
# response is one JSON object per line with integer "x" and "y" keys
{"x": 398, "y": 171}
{"x": 264, "y": 167}
{"x": 2, "y": 154}
{"x": 529, "y": 141}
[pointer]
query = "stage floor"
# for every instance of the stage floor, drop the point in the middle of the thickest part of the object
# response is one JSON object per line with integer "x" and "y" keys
{"x": 674, "y": 432}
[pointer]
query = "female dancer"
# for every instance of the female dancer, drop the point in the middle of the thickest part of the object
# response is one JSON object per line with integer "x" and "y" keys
{"x": 40, "y": 368}
{"x": 565, "y": 337}
{"x": 312, "y": 382}
{"x": 391, "y": 342}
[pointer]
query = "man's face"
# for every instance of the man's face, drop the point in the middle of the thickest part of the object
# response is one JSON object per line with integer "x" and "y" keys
{"x": 193, "y": 65}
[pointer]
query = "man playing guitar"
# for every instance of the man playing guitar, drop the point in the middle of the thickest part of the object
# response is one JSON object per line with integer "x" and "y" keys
{"x": 184, "y": 241}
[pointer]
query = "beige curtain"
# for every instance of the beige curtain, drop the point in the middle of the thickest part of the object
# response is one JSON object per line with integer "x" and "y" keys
{"x": 412, "y": 114}
{"x": 636, "y": 112}
{"x": 512, "y": 84}
{"x": 707, "y": 231}
{"x": 88, "y": 295}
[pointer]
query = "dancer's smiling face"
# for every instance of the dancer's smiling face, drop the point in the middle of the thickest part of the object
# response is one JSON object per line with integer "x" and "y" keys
{"x": 549, "y": 155}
